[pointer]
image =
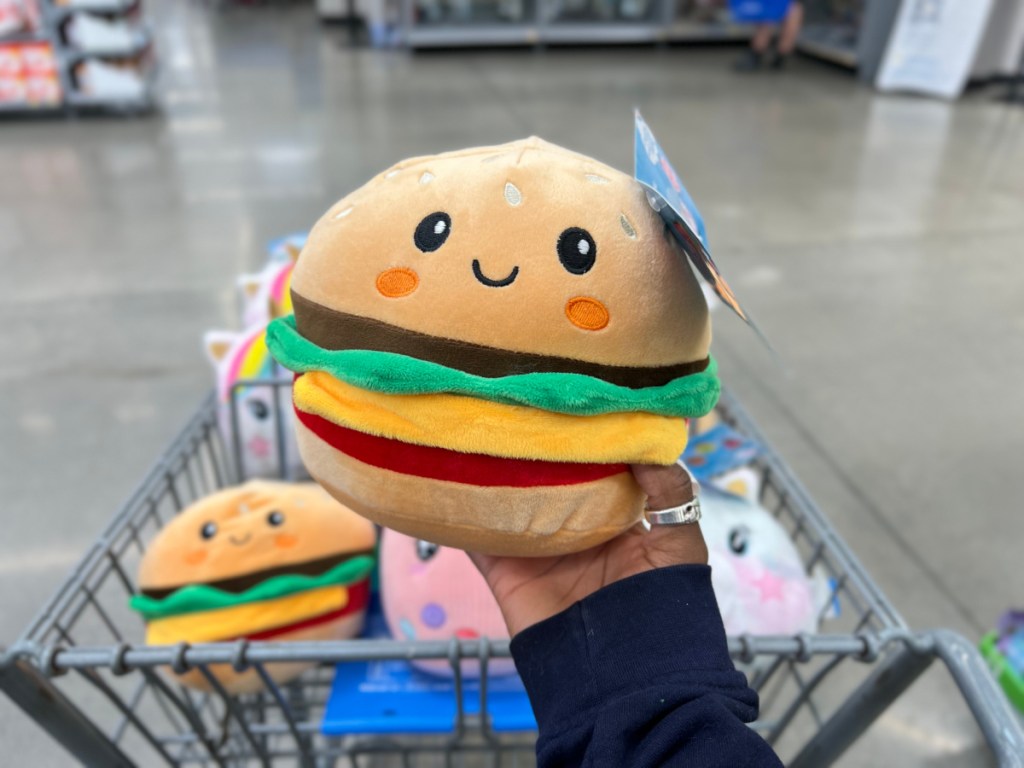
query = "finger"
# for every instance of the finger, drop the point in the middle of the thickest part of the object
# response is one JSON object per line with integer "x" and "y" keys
{"x": 665, "y": 487}
{"x": 483, "y": 563}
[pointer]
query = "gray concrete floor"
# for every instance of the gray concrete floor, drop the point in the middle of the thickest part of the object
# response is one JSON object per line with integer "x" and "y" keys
{"x": 876, "y": 239}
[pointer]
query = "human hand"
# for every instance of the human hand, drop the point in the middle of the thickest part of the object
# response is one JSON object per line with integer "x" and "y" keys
{"x": 531, "y": 589}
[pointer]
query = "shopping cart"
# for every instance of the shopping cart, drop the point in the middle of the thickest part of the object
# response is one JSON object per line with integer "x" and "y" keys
{"x": 81, "y": 672}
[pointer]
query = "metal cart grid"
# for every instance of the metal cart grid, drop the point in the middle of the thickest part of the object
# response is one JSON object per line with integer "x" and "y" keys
{"x": 81, "y": 671}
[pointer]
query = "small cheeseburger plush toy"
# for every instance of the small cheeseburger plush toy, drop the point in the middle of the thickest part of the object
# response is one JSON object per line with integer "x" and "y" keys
{"x": 486, "y": 339}
{"x": 263, "y": 561}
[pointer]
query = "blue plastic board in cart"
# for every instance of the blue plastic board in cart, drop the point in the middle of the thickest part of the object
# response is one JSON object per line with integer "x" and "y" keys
{"x": 717, "y": 451}
{"x": 394, "y": 697}
{"x": 758, "y": 11}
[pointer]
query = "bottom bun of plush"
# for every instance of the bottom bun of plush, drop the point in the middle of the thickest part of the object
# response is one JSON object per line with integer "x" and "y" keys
{"x": 536, "y": 521}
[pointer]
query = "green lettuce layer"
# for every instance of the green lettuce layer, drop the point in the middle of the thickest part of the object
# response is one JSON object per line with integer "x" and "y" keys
{"x": 573, "y": 393}
{"x": 200, "y": 597}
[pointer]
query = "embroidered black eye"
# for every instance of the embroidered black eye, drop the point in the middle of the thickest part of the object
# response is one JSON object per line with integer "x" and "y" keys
{"x": 577, "y": 250}
{"x": 275, "y": 518}
{"x": 258, "y": 409}
{"x": 739, "y": 538}
{"x": 425, "y": 550}
{"x": 208, "y": 531}
{"x": 431, "y": 233}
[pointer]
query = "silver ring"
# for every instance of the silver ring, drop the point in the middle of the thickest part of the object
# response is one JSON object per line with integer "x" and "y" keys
{"x": 684, "y": 514}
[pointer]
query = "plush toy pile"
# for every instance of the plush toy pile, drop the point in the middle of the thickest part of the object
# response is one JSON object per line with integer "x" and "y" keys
{"x": 261, "y": 561}
{"x": 486, "y": 340}
{"x": 256, "y": 419}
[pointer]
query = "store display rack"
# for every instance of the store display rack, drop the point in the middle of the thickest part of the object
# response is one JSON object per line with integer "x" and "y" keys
{"x": 52, "y": 72}
{"x": 469, "y": 23}
{"x": 850, "y": 33}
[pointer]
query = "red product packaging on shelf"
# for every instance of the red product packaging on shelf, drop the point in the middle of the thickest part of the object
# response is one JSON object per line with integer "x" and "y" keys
{"x": 12, "y": 90}
{"x": 43, "y": 90}
{"x": 28, "y": 75}
{"x": 12, "y": 86}
{"x": 10, "y": 61}
{"x": 19, "y": 16}
{"x": 37, "y": 59}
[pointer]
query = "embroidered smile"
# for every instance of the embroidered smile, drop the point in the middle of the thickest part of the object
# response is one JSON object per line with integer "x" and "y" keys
{"x": 507, "y": 280}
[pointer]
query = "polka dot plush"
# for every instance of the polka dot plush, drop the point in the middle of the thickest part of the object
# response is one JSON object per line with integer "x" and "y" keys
{"x": 436, "y": 593}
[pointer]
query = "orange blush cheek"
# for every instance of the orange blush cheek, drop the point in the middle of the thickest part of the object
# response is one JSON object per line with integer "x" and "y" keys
{"x": 286, "y": 540}
{"x": 586, "y": 313}
{"x": 195, "y": 556}
{"x": 397, "y": 282}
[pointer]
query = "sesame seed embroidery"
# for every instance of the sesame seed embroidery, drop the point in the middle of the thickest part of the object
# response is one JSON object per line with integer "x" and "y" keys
{"x": 627, "y": 227}
{"x": 512, "y": 194}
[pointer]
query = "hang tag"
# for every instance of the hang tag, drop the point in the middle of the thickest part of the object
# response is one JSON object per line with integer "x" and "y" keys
{"x": 667, "y": 195}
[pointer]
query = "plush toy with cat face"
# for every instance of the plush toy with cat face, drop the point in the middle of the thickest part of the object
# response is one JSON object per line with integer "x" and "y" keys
{"x": 260, "y": 429}
{"x": 759, "y": 579}
{"x": 267, "y": 294}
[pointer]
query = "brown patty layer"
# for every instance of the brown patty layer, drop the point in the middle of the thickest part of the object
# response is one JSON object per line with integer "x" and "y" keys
{"x": 335, "y": 330}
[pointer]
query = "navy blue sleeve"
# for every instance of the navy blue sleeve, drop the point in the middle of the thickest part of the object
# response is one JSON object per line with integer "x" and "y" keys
{"x": 638, "y": 674}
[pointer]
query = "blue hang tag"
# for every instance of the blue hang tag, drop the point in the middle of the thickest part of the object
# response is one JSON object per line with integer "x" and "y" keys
{"x": 667, "y": 195}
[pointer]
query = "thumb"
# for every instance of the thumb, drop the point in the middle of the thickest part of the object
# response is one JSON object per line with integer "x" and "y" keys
{"x": 665, "y": 486}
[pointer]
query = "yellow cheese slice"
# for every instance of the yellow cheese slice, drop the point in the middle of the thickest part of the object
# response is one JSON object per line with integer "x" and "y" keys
{"x": 239, "y": 620}
{"x": 471, "y": 425}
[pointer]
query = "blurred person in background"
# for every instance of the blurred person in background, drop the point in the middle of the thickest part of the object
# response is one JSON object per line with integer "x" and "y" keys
{"x": 761, "y": 53}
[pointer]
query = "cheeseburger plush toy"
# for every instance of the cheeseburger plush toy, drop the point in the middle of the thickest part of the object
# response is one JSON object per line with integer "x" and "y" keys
{"x": 486, "y": 339}
{"x": 263, "y": 561}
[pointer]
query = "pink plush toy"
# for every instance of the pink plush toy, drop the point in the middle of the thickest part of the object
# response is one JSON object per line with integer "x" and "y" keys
{"x": 436, "y": 593}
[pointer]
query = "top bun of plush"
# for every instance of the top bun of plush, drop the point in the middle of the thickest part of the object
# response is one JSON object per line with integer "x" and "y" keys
{"x": 521, "y": 248}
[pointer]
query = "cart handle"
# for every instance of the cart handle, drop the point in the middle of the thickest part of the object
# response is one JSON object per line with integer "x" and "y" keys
{"x": 913, "y": 654}
{"x": 998, "y": 722}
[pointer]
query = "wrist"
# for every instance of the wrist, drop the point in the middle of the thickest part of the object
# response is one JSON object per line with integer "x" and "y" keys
{"x": 662, "y": 624}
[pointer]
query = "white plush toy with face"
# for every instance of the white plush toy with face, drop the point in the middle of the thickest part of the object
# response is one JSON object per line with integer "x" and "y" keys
{"x": 267, "y": 294}
{"x": 243, "y": 356}
{"x": 758, "y": 576}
